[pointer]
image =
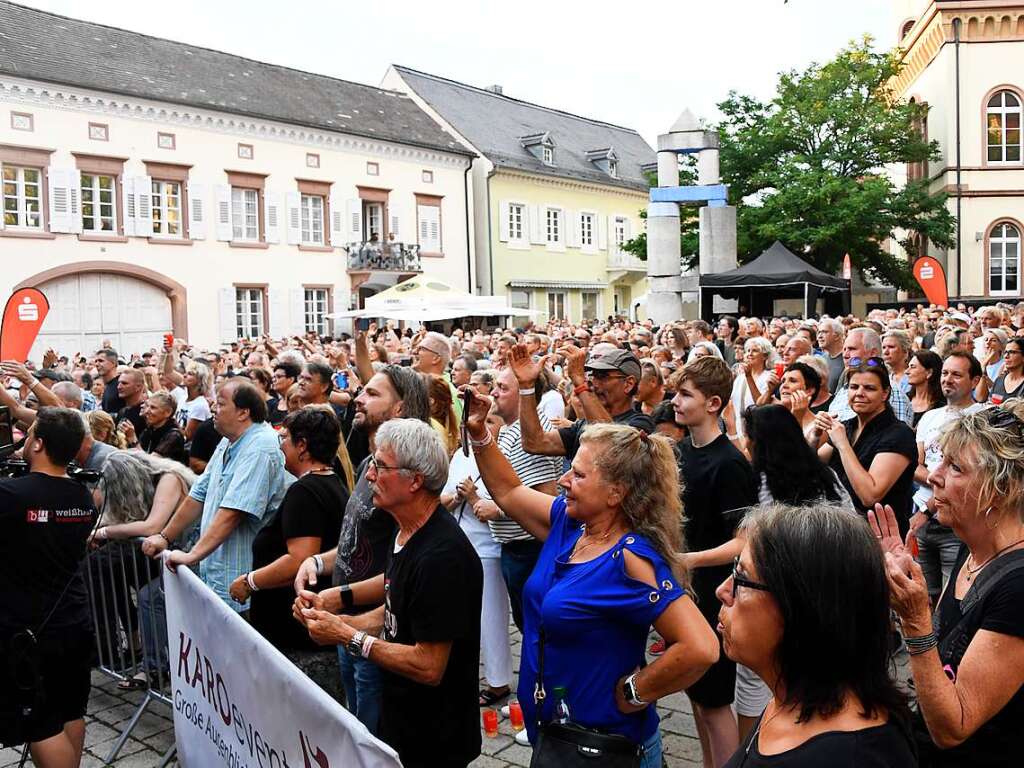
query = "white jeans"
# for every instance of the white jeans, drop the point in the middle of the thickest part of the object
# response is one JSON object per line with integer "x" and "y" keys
{"x": 494, "y": 642}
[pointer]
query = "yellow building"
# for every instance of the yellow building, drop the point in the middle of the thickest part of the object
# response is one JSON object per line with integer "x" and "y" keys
{"x": 555, "y": 196}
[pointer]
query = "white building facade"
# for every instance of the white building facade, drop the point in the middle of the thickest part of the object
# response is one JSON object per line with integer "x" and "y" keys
{"x": 205, "y": 211}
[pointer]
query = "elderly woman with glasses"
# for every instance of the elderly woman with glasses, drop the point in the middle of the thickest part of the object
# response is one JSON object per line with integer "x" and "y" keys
{"x": 609, "y": 569}
{"x": 967, "y": 660}
{"x": 787, "y": 614}
{"x": 874, "y": 453}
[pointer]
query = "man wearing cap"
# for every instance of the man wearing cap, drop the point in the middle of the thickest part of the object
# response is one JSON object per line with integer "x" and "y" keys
{"x": 431, "y": 355}
{"x": 605, "y": 386}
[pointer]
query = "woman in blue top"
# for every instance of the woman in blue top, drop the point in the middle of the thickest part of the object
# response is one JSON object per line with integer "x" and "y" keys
{"x": 609, "y": 569}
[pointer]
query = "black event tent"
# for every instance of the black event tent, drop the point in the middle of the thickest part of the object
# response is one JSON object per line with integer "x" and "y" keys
{"x": 778, "y": 273}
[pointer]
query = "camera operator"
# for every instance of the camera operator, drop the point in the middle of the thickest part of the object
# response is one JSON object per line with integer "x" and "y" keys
{"x": 45, "y": 638}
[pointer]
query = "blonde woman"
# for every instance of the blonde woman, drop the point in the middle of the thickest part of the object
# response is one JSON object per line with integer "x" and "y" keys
{"x": 442, "y": 412}
{"x": 101, "y": 425}
{"x": 752, "y": 377}
{"x": 199, "y": 391}
{"x": 609, "y": 569}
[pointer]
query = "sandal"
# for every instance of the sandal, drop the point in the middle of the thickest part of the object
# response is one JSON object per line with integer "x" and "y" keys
{"x": 137, "y": 682}
{"x": 491, "y": 696}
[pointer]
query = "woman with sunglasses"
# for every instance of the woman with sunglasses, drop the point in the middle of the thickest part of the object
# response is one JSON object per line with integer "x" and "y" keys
{"x": 1010, "y": 383}
{"x": 787, "y": 614}
{"x": 874, "y": 453}
{"x": 967, "y": 660}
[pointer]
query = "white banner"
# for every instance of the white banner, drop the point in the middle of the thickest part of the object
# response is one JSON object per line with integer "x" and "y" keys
{"x": 239, "y": 703}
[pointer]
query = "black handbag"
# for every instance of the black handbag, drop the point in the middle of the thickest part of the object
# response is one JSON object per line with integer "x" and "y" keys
{"x": 568, "y": 745}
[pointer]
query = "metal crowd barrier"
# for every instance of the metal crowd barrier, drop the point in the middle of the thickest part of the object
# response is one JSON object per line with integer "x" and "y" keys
{"x": 130, "y": 631}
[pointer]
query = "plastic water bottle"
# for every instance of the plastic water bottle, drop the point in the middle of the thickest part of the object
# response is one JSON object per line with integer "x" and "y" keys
{"x": 562, "y": 714}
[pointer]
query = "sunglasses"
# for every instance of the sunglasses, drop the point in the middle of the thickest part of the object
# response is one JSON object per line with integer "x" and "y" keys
{"x": 1002, "y": 419}
{"x": 870, "y": 362}
{"x": 738, "y": 581}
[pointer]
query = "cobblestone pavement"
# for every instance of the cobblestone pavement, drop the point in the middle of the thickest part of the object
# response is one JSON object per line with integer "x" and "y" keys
{"x": 110, "y": 711}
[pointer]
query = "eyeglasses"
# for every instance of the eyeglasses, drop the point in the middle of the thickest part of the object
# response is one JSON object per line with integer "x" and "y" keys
{"x": 738, "y": 581}
{"x": 602, "y": 376}
{"x": 378, "y": 467}
{"x": 870, "y": 362}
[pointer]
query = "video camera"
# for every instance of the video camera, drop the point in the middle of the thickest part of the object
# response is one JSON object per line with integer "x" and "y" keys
{"x": 17, "y": 467}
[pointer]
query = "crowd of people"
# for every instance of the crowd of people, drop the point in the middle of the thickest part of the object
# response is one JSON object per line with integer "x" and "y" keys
{"x": 760, "y": 513}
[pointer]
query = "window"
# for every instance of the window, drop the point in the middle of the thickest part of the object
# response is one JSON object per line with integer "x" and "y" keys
{"x": 22, "y": 194}
{"x": 98, "y": 200}
{"x": 620, "y": 233}
{"x": 22, "y": 121}
{"x": 549, "y": 156}
{"x": 245, "y": 151}
{"x": 515, "y": 221}
{"x": 520, "y": 300}
{"x": 556, "y": 306}
{"x": 589, "y": 305}
{"x": 613, "y": 169}
{"x": 554, "y": 225}
{"x": 245, "y": 216}
{"x": 373, "y": 169}
{"x": 167, "y": 209}
{"x": 317, "y": 306}
{"x": 1003, "y": 122}
{"x": 166, "y": 141}
{"x": 1004, "y": 260}
{"x": 373, "y": 221}
{"x": 249, "y": 320}
{"x": 586, "y": 229}
{"x": 312, "y": 210}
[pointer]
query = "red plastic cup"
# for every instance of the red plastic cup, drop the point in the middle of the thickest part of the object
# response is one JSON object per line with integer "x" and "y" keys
{"x": 169, "y": 339}
{"x": 780, "y": 368}
{"x": 515, "y": 716}
{"x": 490, "y": 721}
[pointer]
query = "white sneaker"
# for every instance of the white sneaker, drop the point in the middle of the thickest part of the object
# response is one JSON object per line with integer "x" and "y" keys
{"x": 522, "y": 738}
{"x": 504, "y": 712}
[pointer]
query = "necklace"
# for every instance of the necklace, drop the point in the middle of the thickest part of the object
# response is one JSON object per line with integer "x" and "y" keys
{"x": 972, "y": 571}
{"x": 317, "y": 470}
{"x": 595, "y": 540}
{"x": 756, "y": 733}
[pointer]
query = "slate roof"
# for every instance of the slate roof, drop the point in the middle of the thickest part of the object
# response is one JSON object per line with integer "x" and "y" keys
{"x": 495, "y": 124}
{"x": 56, "y": 49}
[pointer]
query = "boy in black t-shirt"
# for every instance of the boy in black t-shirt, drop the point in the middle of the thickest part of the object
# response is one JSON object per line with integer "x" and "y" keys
{"x": 45, "y": 639}
{"x": 718, "y": 488}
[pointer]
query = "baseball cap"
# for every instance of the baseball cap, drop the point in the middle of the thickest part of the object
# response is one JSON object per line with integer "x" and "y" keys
{"x": 50, "y": 374}
{"x": 621, "y": 360}
{"x": 960, "y": 316}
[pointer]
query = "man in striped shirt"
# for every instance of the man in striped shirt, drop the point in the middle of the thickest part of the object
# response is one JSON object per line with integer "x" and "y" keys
{"x": 519, "y": 550}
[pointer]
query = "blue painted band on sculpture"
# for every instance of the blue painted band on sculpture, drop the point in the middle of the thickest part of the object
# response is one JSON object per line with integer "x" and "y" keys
{"x": 695, "y": 194}
{"x": 717, "y": 203}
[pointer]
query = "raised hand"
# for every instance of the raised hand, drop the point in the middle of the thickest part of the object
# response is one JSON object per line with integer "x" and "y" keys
{"x": 574, "y": 362}
{"x": 882, "y": 521}
{"x": 526, "y": 370}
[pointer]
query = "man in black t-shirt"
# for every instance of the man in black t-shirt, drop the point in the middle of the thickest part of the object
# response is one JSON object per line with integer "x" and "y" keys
{"x": 131, "y": 388}
{"x": 719, "y": 488}
{"x": 106, "y": 364}
{"x": 45, "y": 639}
{"x": 432, "y": 591}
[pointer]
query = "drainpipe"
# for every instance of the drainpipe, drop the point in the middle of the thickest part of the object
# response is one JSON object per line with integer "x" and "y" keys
{"x": 490, "y": 246}
{"x": 469, "y": 250}
{"x": 959, "y": 238}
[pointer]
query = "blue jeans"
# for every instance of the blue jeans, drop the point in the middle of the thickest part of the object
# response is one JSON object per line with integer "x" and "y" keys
{"x": 517, "y": 561}
{"x": 153, "y": 624}
{"x": 652, "y": 752}
{"x": 936, "y": 553}
{"x": 361, "y": 680}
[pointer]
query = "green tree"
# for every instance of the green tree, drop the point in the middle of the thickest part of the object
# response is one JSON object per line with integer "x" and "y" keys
{"x": 808, "y": 167}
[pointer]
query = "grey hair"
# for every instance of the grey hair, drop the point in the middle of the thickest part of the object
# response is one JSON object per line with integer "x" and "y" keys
{"x": 418, "y": 448}
{"x": 292, "y": 356}
{"x": 204, "y": 377}
{"x": 708, "y": 345}
{"x": 68, "y": 391}
{"x": 817, "y": 362}
{"x": 762, "y": 345}
{"x": 166, "y": 398}
{"x": 869, "y": 338}
{"x": 128, "y": 483}
{"x": 831, "y": 324}
{"x": 902, "y": 339}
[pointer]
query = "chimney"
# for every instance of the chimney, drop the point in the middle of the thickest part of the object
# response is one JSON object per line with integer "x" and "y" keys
{"x": 494, "y": 89}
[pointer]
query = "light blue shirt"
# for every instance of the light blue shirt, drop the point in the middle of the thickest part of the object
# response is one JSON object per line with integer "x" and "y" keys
{"x": 247, "y": 475}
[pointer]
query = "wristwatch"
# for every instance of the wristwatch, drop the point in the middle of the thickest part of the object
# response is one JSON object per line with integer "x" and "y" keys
{"x": 355, "y": 645}
{"x": 347, "y": 599}
{"x": 629, "y": 692}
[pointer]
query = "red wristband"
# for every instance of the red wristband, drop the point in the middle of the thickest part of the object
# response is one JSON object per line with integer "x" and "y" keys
{"x": 584, "y": 387}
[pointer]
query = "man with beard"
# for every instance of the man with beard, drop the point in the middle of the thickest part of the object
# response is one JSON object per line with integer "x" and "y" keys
{"x": 367, "y": 532}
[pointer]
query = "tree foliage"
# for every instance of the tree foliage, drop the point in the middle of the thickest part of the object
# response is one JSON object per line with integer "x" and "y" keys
{"x": 809, "y": 166}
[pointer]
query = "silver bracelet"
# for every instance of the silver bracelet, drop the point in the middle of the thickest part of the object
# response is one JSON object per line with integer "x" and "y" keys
{"x": 251, "y": 582}
{"x": 921, "y": 644}
{"x": 481, "y": 443}
{"x": 319, "y": 563}
{"x": 527, "y": 390}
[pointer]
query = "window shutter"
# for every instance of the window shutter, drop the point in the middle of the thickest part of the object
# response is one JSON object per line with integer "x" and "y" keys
{"x": 394, "y": 227}
{"x": 223, "y": 195}
{"x": 144, "y": 206}
{"x": 294, "y": 233}
{"x": 537, "y": 225}
{"x": 198, "y": 206}
{"x": 504, "y": 212}
{"x": 130, "y": 205}
{"x": 354, "y": 219}
{"x": 278, "y": 313}
{"x": 337, "y": 222}
{"x": 272, "y": 217}
{"x": 297, "y": 301}
{"x": 60, "y": 199}
{"x": 601, "y": 225}
{"x": 228, "y": 319}
{"x": 75, "y": 199}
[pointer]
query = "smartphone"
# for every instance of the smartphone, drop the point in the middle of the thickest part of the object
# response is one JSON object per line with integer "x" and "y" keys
{"x": 341, "y": 380}
{"x": 467, "y": 397}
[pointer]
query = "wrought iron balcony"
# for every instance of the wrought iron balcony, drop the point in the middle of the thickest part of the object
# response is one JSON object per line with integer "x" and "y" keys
{"x": 383, "y": 257}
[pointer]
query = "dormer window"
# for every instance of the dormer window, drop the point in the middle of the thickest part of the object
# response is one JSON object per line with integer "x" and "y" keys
{"x": 613, "y": 169}
{"x": 549, "y": 156}
{"x": 540, "y": 146}
{"x": 605, "y": 159}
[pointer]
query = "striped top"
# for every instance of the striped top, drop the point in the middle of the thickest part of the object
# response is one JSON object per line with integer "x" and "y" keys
{"x": 532, "y": 470}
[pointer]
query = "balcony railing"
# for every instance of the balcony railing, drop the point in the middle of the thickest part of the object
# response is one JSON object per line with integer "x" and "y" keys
{"x": 383, "y": 257}
{"x": 626, "y": 261}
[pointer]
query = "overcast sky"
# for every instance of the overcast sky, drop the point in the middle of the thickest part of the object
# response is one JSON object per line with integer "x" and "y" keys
{"x": 635, "y": 64}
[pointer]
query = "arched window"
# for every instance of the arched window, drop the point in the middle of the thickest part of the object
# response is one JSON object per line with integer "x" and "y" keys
{"x": 1002, "y": 116}
{"x": 1004, "y": 260}
{"x": 907, "y": 26}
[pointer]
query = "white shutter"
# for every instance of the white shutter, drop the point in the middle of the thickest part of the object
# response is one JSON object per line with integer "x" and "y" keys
{"x": 537, "y": 225}
{"x": 601, "y": 225}
{"x": 294, "y": 224}
{"x": 504, "y": 212}
{"x": 129, "y": 206}
{"x": 278, "y": 313}
{"x": 75, "y": 199}
{"x": 60, "y": 199}
{"x": 394, "y": 228}
{"x": 222, "y": 193}
{"x": 337, "y": 222}
{"x": 144, "y": 206}
{"x": 228, "y": 319}
{"x": 297, "y": 300}
{"x": 272, "y": 217}
{"x": 354, "y": 221}
{"x": 198, "y": 206}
